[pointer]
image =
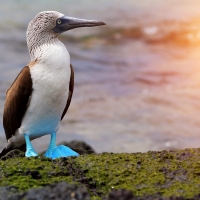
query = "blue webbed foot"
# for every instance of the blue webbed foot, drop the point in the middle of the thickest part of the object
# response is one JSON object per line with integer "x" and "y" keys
{"x": 29, "y": 148}
{"x": 30, "y": 153}
{"x": 59, "y": 152}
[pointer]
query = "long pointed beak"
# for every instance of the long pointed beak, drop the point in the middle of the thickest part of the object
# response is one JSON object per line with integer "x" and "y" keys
{"x": 66, "y": 23}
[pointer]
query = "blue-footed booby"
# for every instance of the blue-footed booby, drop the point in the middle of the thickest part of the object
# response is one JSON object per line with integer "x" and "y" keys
{"x": 41, "y": 94}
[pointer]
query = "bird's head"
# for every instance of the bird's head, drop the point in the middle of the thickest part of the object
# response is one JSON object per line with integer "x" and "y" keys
{"x": 47, "y": 25}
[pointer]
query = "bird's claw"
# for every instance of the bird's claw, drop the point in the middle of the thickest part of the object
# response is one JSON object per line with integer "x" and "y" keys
{"x": 30, "y": 153}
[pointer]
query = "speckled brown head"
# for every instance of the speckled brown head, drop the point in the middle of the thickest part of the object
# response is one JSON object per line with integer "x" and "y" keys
{"x": 47, "y": 25}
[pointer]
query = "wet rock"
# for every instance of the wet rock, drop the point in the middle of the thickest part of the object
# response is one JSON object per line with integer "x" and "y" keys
{"x": 9, "y": 193}
{"x": 59, "y": 191}
{"x": 122, "y": 194}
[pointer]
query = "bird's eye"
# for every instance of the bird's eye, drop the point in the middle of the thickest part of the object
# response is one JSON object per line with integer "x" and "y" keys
{"x": 59, "y": 21}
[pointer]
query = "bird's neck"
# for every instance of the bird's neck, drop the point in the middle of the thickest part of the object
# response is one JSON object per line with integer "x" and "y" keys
{"x": 51, "y": 54}
{"x": 40, "y": 43}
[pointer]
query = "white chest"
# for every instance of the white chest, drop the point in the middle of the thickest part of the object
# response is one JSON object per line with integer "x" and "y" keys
{"x": 50, "y": 79}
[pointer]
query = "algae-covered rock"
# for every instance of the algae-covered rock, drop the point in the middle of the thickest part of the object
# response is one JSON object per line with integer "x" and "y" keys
{"x": 152, "y": 175}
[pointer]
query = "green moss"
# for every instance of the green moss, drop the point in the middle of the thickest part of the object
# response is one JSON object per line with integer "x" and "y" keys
{"x": 174, "y": 173}
{"x": 26, "y": 173}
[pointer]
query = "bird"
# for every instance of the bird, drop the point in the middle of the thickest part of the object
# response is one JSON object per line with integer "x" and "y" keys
{"x": 40, "y": 96}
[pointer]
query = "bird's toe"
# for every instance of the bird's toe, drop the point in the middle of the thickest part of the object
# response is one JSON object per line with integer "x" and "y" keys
{"x": 60, "y": 152}
{"x": 30, "y": 153}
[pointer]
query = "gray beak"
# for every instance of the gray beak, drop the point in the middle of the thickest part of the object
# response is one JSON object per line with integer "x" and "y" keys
{"x": 66, "y": 23}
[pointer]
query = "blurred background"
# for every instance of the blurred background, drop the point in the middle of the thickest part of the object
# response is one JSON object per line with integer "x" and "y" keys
{"x": 137, "y": 80}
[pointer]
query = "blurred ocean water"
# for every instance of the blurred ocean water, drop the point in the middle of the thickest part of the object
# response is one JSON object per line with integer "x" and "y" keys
{"x": 137, "y": 80}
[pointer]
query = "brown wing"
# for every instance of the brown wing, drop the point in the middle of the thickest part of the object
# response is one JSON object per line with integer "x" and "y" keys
{"x": 71, "y": 89}
{"x": 17, "y": 98}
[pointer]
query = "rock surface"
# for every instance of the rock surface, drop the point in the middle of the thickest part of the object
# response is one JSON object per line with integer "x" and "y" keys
{"x": 59, "y": 191}
{"x": 164, "y": 175}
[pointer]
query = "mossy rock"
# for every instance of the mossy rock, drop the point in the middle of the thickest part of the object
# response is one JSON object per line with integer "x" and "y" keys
{"x": 162, "y": 174}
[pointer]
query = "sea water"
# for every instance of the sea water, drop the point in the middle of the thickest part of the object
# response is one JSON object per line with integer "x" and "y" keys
{"x": 137, "y": 80}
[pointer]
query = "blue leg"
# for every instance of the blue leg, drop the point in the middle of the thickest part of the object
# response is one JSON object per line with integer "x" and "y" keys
{"x": 54, "y": 151}
{"x": 29, "y": 148}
